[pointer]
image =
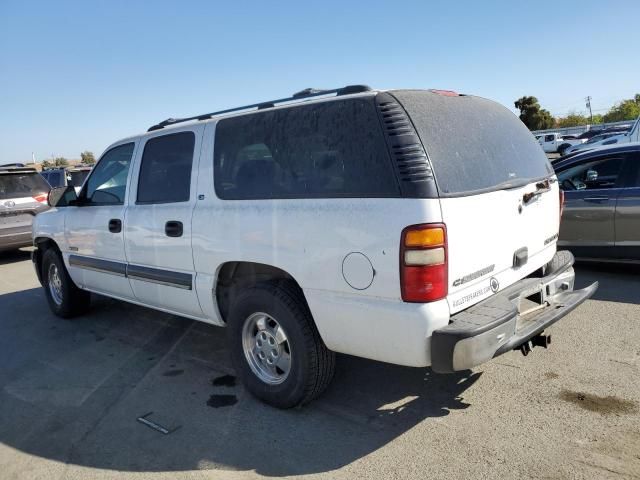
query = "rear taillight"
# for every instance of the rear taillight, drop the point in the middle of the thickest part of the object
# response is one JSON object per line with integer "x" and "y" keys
{"x": 42, "y": 197}
{"x": 423, "y": 263}
{"x": 561, "y": 202}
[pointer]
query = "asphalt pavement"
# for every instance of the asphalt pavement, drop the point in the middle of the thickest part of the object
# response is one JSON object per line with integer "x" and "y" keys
{"x": 71, "y": 394}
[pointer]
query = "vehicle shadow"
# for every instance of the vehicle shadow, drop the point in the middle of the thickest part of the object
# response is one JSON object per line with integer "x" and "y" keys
{"x": 72, "y": 391}
{"x": 14, "y": 256}
{"x": 617, "y": 282}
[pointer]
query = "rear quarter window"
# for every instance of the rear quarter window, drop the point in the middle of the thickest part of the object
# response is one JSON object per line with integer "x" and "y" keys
{"x": 474, "y": 144}
{"x": 323, "y": 150}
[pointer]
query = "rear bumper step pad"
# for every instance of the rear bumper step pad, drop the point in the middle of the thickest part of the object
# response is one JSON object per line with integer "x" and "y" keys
{"x": 494, "y": 326}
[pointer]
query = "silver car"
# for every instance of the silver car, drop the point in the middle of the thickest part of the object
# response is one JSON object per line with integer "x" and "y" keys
{"x": 23, "y": 194}
{"x": 601, "y": 218}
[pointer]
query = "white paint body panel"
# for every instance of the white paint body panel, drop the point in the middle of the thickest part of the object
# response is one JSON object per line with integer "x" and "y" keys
{"x": 147, "y": 244}
{"x": 486, "y": 230}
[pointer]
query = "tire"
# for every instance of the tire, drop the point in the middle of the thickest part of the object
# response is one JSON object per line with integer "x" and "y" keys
{"x": 65, "y": 299}
{"x": 563, "y": 148}
{"x": 311, "y": 365}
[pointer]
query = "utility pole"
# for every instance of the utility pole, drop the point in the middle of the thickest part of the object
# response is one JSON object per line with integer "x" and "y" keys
{"x": 588, "y": 100}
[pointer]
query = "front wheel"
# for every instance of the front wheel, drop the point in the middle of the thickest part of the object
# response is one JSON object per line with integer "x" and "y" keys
{"x": 65, "y": 299}
{"x": 275, "y": 347}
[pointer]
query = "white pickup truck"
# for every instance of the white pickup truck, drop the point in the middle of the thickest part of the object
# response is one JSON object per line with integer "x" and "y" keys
{"x": 556, "y": 143}
{"x": 399, "y": 226}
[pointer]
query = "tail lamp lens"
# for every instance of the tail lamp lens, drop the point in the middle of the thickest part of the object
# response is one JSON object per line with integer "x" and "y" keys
{"x": 42, "y": 198}
{"x": 423, "y": 263}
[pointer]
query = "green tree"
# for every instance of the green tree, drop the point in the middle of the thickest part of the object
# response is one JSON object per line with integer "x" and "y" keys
{"x": 572, "y": 120}
{"x": 60, "y": 162}
{"x": 533, "y": 115}
{"x": 46, "y": 164}
{"x": 87, "y": 158}
{"x": 625, "y": 110}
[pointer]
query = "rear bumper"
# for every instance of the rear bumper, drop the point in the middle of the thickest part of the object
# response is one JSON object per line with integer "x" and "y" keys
{"x": 508, "y": 319}
{"x": 15, "y": 237}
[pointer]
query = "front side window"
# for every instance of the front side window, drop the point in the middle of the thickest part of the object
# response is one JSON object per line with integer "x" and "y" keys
{"x": 597, "y": 174}
{"x": 326, "y": 150}
{"x": 107, "y": 184}
{"x": 548, "y": 138}
{"x": 165, "y": 172}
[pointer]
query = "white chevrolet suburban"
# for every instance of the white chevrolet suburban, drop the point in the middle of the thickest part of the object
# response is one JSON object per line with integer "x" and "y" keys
{"x": 409, "y": 226}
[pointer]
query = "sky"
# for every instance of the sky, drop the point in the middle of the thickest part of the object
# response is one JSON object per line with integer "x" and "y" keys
{"x": 78, "y": 76}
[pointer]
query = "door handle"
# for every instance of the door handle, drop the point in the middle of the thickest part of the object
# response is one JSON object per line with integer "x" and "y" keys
{"x": 173, "y": 228}
{"x": 596, "y": 199}
{"x": 115, "y": 225}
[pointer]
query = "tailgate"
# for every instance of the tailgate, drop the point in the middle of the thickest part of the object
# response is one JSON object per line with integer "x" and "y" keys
{"x": 496, "y": 239}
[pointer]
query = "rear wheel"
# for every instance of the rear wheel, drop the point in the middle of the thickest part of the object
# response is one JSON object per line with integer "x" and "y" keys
{"x": 275, "y": 347}
{"x": 65, "y": 299}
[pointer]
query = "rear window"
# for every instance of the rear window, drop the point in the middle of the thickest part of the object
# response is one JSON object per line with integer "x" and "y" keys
{"x": 474, "y": 144}
{"x": 324, "y": 150}
{"x": 16, "y": 185}
{"x": 55, "y": 179}
{"x": 77, "y": 178}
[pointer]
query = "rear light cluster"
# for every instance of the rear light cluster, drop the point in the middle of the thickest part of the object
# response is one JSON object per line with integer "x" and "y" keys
{"x": 42, "y": 197}
{"x": 423, "y": 263}
{"x": 561, "y": 202}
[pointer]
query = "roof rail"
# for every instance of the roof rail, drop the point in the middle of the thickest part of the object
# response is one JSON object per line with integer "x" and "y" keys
{"x": 7, "y": 169}
{"x": 302, "y": 94}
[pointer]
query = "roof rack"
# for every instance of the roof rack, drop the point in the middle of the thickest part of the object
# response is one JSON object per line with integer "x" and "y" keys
{"x": 302, "y": 94}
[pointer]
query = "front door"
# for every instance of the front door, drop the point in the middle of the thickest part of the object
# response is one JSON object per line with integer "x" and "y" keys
{"x": 158, "y": 222}
{"x": 94, "y": 229}
{"x": 591, "y": 191}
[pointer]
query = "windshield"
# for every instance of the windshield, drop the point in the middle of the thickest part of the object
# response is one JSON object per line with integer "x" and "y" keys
{"x": 16, "y": 185}
{"x": 474, "y": 144}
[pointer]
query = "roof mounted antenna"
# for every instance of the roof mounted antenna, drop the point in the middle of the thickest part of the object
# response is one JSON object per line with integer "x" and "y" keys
{"x": 302, "y": 94}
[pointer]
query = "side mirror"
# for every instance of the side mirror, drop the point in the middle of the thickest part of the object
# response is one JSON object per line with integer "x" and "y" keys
{"x": 62, "y": 197}
{"x": 592, "y": 176}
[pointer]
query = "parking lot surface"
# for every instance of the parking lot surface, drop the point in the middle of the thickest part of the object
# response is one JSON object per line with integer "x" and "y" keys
{"x": 71, "y": 393}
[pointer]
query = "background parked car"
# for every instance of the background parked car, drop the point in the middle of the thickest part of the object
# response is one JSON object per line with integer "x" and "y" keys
{"x": 60, "y": 177}
{"x": 554, "y": 142}
{"x": 589, "y": 144}
{"x": 23, "y": 194}
{"x": 631, "y": 135}
{"x": 601, "y": 217}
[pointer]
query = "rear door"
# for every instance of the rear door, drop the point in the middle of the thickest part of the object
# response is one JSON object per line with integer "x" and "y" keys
{"x": 158, "y": 221}
{"x": 627, "y": 216}
{"x": 591, "y": 190}
{"x": 498, "y": 195}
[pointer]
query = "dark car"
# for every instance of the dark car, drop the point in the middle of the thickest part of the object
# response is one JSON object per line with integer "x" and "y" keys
{"x": 60, "y": 177}
{"x": 601, "y": 218}
{"x": 23, "y": 194}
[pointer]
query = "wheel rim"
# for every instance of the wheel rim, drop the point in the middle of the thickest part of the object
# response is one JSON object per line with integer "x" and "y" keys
{"x": 266, "y": 348}
{"x": 55, "y": 284}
